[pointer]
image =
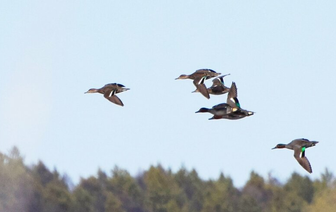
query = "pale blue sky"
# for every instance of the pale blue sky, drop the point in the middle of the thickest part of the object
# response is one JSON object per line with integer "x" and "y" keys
{"x": 281, "y": 54}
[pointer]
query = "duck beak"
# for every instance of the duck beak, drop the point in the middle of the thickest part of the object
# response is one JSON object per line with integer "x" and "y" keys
{"x": 274, "y": 148}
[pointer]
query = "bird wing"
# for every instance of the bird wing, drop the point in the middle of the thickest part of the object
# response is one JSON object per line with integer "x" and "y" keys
{"x": 221, "y": 106}
{"x": 218, "y": 86}
{"x": 220, "y": 79}
{"x": 303, "y": 160}
{"x": 120, "y": 85}
{"x": 199, "y": 83}
{"x": 217, "y": 81}
{"x": 216, "y": 117}
{"x": 110, "y": 85}
{"x": 110, "y": 95}
{"x": 232, "y": 99}
{"x": 204, "y": 71}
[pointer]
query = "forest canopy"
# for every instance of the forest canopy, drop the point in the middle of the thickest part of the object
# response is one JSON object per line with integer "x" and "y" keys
{"x": 35, "y": 188}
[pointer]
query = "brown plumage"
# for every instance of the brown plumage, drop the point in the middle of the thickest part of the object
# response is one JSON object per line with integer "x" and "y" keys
{"x": 198, "y": 78}
{"x": 299, "y": 146}
{"x": 109, "y": 91}
{"x": 217, "y": 87}
{"x": 229, "y": 110}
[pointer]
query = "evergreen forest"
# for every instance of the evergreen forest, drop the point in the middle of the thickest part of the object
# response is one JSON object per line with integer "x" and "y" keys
{"x": 35, "y": 188}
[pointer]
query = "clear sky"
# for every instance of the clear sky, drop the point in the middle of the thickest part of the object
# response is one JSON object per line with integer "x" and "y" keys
{"x": 281, "y": 54}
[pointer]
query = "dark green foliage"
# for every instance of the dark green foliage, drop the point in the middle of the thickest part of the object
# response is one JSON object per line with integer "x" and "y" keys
{"x": 113, "y": 204}
{"x": 162, "y": 191}
{"x": 249, "y": 203}
{"x": 192, "y": 187}
{"x": 97, "y": 190}
{"x": 220, "y": 195}
{"x": 41, "y": 173}
{"x": 301, "y": 186}
{"x": 255, "y": 194}
{"x": 57, "y": 198}
{"x": 37, "y": 189}
{"x": 83, "y": 200}
{"x": 124, "y": 186}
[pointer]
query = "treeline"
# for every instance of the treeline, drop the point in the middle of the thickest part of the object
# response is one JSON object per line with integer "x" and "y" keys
{"x": 37, "y": 189}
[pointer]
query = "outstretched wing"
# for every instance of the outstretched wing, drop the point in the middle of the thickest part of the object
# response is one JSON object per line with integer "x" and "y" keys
{"x": 110, "y": 95}
{"x": 303, "y": 160}
{"x": 199, "y": 83}
{"x": 232, "y": 99}
{"x": 219, "y": 80}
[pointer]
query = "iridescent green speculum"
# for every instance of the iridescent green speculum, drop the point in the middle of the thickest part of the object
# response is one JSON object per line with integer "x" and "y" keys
{"x": 236, "y": 102}
{"x": 303, "y": 149}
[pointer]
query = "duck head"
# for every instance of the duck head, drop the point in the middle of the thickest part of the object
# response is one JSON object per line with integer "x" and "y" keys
{"x": 92, "y": 90}
{"x": 279, "y": 146}
{"x": 182, "y": 76}
{"x": 202, "y": 110}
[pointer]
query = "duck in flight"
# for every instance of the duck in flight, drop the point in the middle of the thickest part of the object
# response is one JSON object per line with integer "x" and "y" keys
{"x": 198, "y": 78}
{"x": 229, "y": 110}
{"x": 217, "y": 87}
{"x": 109, "y": 91}
{"x": 299, "y": 146}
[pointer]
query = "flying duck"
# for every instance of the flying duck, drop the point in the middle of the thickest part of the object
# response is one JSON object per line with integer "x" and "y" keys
{"x": 217, "y": 87}
{"x": 229, "y": 110}
{"x": 198, "y": 78}
{"x": 109, "y": 91}
{"x": 299, "y": 146}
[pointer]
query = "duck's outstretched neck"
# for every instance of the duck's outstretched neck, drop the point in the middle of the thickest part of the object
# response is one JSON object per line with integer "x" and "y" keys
{"x": 202, "y": 110}
{"x": 183, "y": 76}
{"x": 280, "y": 146}
{"x": 92, "y": 90}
